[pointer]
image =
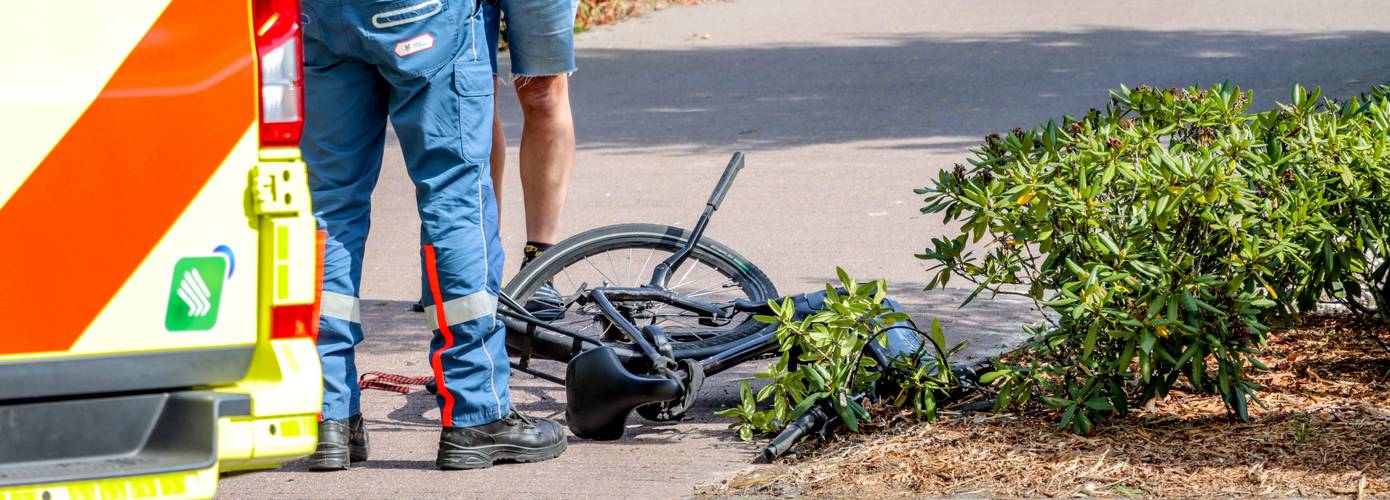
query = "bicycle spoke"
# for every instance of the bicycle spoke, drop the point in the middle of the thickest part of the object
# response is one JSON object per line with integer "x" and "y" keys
{"x": 610, "y": 262}
{"x": 707, "y": 272}
{"x": 641, "y": 272}
{"x": 695, "y": 261}
{"x": 600, "y": 271}
{"x": 697, "y": 293}
{"x": 703, "y": 294}
{"x": 628, "y": 271}
{"x": 572, "y": 325}
{"x": 573, "y": 284}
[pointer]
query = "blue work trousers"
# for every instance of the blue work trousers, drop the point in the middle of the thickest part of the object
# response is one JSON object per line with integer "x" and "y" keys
{"x": 424, "y": 64}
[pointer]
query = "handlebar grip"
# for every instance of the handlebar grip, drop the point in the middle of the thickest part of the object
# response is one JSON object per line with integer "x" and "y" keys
{"x": 731, "y": 171}
{"x": 784, "y": 442}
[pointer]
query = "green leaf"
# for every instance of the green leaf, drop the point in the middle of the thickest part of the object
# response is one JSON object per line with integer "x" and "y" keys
{"x": 1108, "y": 243}
{"x": 815, "y": 374}
{"x": 989, "y": 377}
{"x": 1146, "y": 342}
{"x": 762, "y": 318}
{"x": 1076, "y": 269}
{"x": 806, "y": 404}
{"x": 938, "y": 337}
{"x": 1067, "y": 416}
{"x": 846, "y": 415}
{"x": 1090, "y": 343}
{"x": 859, "y": 410}
{"x": 1099, "y": 404}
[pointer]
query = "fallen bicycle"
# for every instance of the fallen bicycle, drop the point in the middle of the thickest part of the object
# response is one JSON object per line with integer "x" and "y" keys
{"x": 643, "y": 340}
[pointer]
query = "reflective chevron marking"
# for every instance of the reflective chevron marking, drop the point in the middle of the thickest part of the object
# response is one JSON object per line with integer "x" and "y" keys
{"x": 153, "y": 124}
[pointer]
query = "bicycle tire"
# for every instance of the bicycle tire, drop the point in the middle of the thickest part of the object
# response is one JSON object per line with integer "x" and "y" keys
{"x": 553, "y": 346}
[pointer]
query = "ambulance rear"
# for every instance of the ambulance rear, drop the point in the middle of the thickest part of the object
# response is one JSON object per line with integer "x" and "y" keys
{"x": 158, "y": 256}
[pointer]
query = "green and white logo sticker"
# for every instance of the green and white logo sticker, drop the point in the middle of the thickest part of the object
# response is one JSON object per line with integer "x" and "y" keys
{"x": 195, "y": 293}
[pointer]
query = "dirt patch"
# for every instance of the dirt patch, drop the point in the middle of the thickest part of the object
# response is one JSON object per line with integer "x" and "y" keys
{"x": 593, "y": 13}
{"x": 1325, "y": 431}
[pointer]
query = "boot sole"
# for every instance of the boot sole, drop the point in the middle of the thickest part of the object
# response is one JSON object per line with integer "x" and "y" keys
{"x": 485, "y": 456}
{"x": 329, "y": 460}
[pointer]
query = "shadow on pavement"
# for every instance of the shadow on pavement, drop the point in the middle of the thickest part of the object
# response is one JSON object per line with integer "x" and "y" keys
{"x": 989, "y": 325}
{"x": 930, "y": 91}
{"x": 410, "y": 415}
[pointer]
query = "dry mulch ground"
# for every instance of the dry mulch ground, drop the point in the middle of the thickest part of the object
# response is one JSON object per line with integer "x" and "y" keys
{"x": 1327, "y": 378}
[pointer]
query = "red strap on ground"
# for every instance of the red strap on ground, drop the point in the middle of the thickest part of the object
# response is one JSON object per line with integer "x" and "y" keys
{"x": 390, "y": 382}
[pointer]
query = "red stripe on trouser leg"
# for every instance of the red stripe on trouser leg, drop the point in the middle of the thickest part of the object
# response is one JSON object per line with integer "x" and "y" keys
{"x": 432, "y": 274}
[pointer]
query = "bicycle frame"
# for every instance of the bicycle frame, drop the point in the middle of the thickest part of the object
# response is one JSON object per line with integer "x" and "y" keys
{"x": 655, "y": 290}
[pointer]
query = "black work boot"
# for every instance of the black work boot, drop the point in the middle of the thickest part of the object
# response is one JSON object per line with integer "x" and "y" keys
{"x": 358, "y": 444}
{"x": 516, "y": 438}
{"x": 340, "y": 442}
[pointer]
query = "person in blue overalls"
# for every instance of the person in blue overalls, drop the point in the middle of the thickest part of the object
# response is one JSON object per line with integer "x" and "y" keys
{"x": 425, "y": 65}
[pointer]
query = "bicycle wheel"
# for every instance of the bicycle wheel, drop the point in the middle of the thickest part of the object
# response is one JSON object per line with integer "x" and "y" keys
{"x": 624, "y": 255}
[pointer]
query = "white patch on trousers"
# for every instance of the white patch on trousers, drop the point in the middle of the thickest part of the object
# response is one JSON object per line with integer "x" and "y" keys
{"x": 415, "y": 45}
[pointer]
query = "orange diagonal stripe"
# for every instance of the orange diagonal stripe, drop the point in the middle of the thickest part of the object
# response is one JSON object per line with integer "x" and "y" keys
{"x": 107, "y": 193}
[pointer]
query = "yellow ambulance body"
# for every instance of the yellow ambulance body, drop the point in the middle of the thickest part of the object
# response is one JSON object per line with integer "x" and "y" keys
{"x": 158, "y": 258}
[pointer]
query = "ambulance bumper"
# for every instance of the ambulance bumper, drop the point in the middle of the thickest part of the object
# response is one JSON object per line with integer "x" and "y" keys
{"x": 84, "y": 443}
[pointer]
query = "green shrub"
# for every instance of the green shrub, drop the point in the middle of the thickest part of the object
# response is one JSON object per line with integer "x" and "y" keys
{"x": 1164, "y": 234}
{"x": 1341, "y": 162}
{"x": 822, "y": 360}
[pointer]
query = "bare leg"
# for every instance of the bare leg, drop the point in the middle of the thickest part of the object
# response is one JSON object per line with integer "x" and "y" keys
{"x": 547, "y": 152}
{"x": 498, "y": 158}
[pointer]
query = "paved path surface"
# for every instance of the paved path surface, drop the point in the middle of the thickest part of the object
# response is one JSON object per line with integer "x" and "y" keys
{"x": 843, "y": 108}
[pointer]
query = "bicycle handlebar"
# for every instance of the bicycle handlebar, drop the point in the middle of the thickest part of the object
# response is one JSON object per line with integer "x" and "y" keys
{"x": 720, "y": 189}
{"x": 794, "y": 431}
{"x": 818, "y": 419}
{"x": 662, "y": 271}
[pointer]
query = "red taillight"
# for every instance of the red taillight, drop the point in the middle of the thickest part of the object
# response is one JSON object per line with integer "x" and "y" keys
{"x": 302, "y": 320}
{"x": 281, "y": 53}
{"x": 294, "y": 321}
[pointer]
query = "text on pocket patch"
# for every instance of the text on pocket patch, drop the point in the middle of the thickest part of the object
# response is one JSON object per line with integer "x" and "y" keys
{"x": 415, "y": 45}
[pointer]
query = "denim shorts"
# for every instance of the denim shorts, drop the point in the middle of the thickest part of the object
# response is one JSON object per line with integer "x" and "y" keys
{"x": 540, "y": 35}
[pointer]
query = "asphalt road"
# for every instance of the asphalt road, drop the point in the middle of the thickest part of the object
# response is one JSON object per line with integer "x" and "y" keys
{"x": 843, "y": 108}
